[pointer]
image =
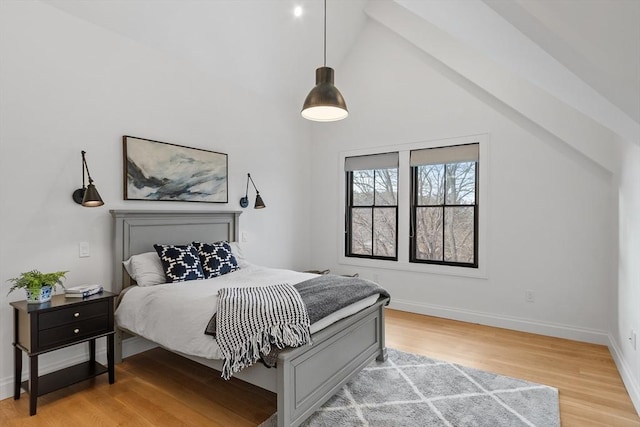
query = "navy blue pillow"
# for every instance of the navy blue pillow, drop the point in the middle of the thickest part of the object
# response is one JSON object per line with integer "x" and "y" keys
{"x": 180, "y": 262}
{"x": 216, "y": 258}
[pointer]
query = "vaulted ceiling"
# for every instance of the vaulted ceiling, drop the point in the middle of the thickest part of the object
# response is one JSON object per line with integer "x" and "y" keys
{"x": 598, "y": 40}
{"x": 587, "y": 52}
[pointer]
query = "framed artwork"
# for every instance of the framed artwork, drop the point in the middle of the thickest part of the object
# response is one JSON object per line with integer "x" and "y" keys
{"x": 156, "y": 170}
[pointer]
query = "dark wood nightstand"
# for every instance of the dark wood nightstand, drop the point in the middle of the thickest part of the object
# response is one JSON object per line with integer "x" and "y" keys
{"x": 59, "y": 323}
{"x": 327, "y": 271}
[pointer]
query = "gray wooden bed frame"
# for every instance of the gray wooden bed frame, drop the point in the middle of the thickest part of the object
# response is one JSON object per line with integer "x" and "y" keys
{"x": 305, "y": 377}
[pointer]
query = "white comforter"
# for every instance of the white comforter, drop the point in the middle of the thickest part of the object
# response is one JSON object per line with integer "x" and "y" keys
{"x": 175, "y": 315}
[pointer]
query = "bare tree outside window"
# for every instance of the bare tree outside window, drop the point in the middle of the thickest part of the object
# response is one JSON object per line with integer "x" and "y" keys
{"x": 372, "y": 213}
{"x": 444, "y": 217}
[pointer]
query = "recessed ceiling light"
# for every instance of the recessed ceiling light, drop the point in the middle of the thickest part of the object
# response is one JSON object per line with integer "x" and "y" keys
{"x": 297, "y": 11}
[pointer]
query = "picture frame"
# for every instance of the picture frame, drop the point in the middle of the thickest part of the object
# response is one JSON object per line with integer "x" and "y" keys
{"x": 161, "y": 171}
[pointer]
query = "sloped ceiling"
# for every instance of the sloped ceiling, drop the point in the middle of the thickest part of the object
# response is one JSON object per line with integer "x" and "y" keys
{"x": 599, "y": 41}
{"x": 259, "y": 44}
{"x": 586, "y": 53}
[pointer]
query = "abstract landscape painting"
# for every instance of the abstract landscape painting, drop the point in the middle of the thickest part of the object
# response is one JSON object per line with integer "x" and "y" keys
{"x": 156, "y": 170}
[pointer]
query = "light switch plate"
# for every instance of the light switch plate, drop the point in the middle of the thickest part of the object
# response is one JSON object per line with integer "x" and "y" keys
{"x": 84, "y": 250}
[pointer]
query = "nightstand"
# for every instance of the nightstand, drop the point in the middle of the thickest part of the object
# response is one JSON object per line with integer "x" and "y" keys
{"x": 323, "y": 272}
{"x": 59, "y": 323}
{"x": 327, "y": 271}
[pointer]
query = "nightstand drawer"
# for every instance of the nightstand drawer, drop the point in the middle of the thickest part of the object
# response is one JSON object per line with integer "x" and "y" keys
{"x": 67, "y": 334}
{"x": 77, "y": 313}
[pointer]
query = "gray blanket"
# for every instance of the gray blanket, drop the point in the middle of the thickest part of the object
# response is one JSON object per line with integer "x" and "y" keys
{"x": 327, "y": 294}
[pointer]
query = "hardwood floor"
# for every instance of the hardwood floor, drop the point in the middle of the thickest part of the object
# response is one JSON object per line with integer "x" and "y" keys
{"x": 158, "y": 388}
{"x": 590, "y": 388}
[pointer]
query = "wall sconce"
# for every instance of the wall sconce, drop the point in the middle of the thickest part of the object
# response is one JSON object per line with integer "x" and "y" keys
{"x": 87, "y": 196}
{"x": 244, "y": 202}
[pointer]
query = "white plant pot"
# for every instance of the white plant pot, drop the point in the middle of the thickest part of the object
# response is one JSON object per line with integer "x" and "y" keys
{"x": 43, "y": 295}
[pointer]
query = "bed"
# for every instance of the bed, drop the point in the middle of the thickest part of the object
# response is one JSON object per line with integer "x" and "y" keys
{"x": 305, "y": 376}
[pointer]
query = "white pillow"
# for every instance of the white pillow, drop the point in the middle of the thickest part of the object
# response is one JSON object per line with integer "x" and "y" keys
{"x": 146, "y": 269}
{"x": 236, "y": 250}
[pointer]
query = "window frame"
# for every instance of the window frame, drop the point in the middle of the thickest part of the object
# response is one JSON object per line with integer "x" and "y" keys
{"x": 372, "y": 268}
{"x": 414, "y": 206}
{"x": 349, "y": 216}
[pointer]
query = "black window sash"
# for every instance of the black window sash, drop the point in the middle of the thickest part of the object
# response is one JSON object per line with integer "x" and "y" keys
{"x": 413, "y": 245}
{"x": 349, "y": 221}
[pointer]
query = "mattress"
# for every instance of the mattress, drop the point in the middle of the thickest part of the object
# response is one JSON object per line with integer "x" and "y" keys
{"x": 175, "y": 315}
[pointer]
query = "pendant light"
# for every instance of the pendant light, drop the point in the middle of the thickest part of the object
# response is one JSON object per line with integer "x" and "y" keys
{"x": 325, "y": 102}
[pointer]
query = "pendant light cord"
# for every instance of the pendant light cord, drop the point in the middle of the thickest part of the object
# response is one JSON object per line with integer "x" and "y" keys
{"x": 325, "y": 33}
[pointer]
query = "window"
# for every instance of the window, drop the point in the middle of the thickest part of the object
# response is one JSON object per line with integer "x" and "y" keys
{"x": 372, "y": 206}
{"x": 444, "y": 214}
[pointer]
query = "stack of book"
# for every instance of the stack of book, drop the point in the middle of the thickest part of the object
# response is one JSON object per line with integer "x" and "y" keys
{"x": 82, "y": 291}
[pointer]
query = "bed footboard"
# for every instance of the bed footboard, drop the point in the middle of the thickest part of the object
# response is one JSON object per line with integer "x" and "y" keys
{"x": 308, "y": 376}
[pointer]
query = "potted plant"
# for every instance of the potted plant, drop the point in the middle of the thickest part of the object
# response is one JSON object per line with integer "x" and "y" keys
{"x": 37, "y": 285}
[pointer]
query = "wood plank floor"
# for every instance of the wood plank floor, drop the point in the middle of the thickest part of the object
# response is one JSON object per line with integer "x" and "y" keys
{"x": 158, "y": 388}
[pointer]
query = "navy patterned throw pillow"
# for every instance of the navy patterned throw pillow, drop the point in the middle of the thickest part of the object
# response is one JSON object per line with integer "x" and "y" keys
{"x": 216, "y": 258}
{"x": 180, "y": 262}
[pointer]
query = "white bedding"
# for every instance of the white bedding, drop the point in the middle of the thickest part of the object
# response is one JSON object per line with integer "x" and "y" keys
{"x": 175, "y": 315}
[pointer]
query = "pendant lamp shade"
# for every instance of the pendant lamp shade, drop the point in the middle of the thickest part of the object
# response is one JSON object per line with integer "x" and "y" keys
{"x": 325, "y": 102}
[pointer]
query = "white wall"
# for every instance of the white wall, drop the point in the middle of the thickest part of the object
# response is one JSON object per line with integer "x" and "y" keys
{"x": 551, "y": 209}
{"x": 68, "y": 86}
{"x": 628, "y": 290}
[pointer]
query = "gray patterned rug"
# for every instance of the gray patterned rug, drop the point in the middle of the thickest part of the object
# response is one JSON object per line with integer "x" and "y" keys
{"x": 415, "y": 391}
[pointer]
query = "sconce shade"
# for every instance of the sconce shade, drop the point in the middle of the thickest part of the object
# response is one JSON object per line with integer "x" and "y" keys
{"x": 325, "y": 102}
{"x": 259, "y": 203}
{"x": 91, "y": 197}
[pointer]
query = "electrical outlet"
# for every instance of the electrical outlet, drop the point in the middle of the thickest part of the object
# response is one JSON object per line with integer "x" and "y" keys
{"x": 633, "y": 338}
{"x": 529, "y": 295}
{"x": 84, "y": 250}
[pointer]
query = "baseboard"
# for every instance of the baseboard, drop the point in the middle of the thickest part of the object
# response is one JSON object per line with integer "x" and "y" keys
{"x": 507, "y": 322}
{"x": 6, "y": 384}
{"x": 135, "y": 345}
{"x": 632, "y": 385}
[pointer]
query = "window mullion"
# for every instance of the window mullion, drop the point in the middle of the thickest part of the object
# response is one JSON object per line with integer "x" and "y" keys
{"x": 403, "y": 207}
{"x": 349, "y": 213}
{"x": 373, "y": 219}
{"x": 444, "y": 203}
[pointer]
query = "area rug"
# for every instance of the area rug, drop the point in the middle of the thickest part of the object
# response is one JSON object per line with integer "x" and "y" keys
{"x": 410, "y": 390}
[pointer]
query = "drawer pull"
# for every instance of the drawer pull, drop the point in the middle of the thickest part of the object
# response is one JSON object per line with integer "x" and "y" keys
{"x": 75, "y": 331}
{"x": 76, "y": 314}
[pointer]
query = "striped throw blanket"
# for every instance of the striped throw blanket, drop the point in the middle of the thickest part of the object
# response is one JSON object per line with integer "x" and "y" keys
{"x": 249, "y": 321}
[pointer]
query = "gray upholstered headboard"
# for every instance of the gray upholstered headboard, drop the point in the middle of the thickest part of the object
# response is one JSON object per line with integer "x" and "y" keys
{"x": 136, "y": 231}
